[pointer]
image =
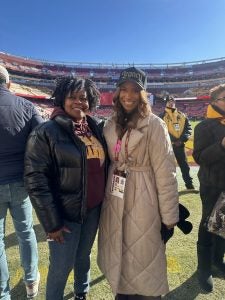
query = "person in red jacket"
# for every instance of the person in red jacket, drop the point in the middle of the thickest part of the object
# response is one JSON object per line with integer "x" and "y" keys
{"x": 65, "y": 174}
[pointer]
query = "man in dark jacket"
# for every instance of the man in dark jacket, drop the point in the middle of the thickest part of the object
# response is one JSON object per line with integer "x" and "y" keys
{"x": 179, "y": 129}
{"x": 209, "y": 153}
{"x": 17, "y": 119}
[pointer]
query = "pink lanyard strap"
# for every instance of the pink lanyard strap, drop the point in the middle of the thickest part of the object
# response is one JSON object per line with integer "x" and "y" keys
{"x": 117, "y": 147}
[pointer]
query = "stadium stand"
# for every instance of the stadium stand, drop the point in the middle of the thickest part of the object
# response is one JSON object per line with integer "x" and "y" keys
{"x": 189, "y": 81}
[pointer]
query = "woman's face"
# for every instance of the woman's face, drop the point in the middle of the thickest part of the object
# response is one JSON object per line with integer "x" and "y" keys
{"x": 76, "y": 104}
{"x": 129, "y": 96}
{"x": 220, "y": 102}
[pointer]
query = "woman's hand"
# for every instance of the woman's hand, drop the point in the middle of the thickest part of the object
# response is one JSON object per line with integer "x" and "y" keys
{"x": 57, "y": 236}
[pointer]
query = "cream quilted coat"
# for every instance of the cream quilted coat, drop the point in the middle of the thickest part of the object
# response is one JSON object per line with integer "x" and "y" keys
{"x": 131, "y": 253}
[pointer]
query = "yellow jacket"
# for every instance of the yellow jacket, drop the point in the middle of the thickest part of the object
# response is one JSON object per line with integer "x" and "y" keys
{"x": 178, "y": 125}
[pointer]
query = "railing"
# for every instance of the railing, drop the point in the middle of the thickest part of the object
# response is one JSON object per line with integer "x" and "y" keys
{"x": 110, "y": 65}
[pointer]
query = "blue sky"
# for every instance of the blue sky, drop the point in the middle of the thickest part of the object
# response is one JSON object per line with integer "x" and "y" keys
{"x": 114, "y": 31}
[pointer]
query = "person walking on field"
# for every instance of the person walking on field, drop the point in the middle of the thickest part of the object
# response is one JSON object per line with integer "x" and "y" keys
{"x": 18, "y": 117}
{"x": 180, "y": 130}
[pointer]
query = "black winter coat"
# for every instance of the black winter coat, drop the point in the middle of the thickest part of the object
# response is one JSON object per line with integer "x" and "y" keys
{"x": 209, "y": 153}
{"x": 56, "y": 172}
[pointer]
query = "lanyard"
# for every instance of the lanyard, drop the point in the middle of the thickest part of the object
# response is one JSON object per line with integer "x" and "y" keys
{"x": 117, "y": 147}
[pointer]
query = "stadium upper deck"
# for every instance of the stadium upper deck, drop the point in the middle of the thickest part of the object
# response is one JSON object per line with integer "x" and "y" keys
{"x": 182, "y": 79}
{"x": 174, "y": 77}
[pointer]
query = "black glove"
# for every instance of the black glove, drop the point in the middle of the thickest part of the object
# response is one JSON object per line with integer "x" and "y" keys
{"x": 166, "y": 233}
{"x": 184, "y": 225}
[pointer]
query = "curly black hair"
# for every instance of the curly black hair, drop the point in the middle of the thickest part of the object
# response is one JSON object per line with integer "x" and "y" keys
{"x": 68, "y": 84}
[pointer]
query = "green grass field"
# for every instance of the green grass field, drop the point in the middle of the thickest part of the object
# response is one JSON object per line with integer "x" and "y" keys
{"x": 181, "y": 254}
{"x": 181, "y": 257}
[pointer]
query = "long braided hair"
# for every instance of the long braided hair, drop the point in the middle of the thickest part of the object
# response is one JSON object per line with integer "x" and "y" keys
{"x": 67, "y": 85}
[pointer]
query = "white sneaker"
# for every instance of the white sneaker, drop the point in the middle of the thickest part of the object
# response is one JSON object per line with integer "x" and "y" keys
{"x": 32, "y": 288}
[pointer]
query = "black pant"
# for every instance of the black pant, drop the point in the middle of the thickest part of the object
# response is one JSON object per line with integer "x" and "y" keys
{"x": 210, "y": 247}
{"x": 208, "y": 195}
{"x": 182, "y": 163}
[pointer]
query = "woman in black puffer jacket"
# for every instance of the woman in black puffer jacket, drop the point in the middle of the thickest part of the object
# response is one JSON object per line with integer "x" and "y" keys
{"x": 65, "y": 174}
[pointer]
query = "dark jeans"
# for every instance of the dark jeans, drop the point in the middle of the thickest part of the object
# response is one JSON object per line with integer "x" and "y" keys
{"x": 74, "y": 253}
{"x": 183, "y": 164}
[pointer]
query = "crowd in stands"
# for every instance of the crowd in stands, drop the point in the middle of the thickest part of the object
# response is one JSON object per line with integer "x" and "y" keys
{"x": 44, "y": 107}
{"x": 195, "y": 109}
{"x": 37, "y": 77}
{"x": 109, "y": 73}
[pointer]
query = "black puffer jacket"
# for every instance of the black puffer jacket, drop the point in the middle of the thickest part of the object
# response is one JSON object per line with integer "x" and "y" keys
{"x": 56, "y": 171}
{"x": 209, "y": 153}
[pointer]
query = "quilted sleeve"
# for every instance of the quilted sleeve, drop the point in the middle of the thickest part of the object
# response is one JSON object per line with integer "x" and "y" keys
{"x": 164, "y": 167}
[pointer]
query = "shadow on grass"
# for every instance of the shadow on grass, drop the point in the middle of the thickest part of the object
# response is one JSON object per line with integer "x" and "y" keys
{"x": 69, "y": 296}
{"x": 18, "y": 291}
{"x": 92, "y": 283}
{"x": 97, "y": 280}
{"x": 11, "y": 239}
{"x": 186, "y": 192}
{"x": 188, "y": 290}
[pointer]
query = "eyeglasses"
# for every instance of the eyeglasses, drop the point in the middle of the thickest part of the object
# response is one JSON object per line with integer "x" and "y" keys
{"x": 221, "y": 99}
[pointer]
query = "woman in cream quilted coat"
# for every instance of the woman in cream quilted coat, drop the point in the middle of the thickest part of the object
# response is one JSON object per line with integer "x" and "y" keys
{"x": 141, "y": 193}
